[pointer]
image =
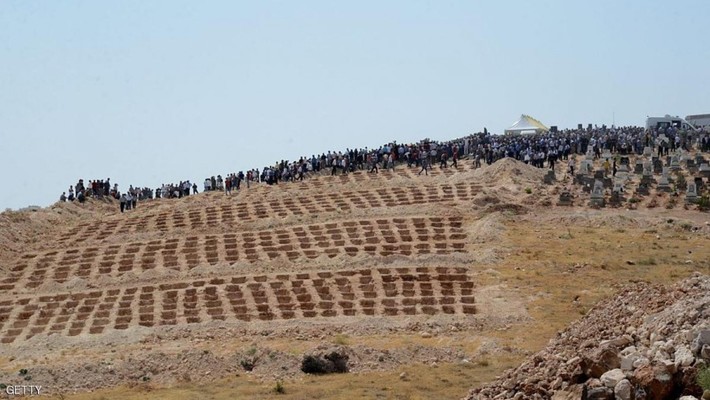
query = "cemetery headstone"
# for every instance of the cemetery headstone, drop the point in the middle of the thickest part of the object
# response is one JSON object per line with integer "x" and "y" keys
{"x": 664, "y": 184}
{"x": 699, "y": 184}
{"x": 585, "y": 167}
{"x": 691, "y": 194}
{"x": 597, "y": 199}
{"x": 642, "y": 189}
{"x": 675, "y": 162}
{"x": 617, "y": 196}
{"x": 657, "y": 165}
{"x": 623, "y": 165}
{"x": 638, "y": 168}
{"x": 565, "y": 199}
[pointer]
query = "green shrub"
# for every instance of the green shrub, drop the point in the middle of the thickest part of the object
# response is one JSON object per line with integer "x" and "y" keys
{"x": 279, "y": 387}
{"x": 704, "y": 378}
{"x": 313, "y": 365}
{"x": 704, "y": 203}
{"x": 330, "y": 363}
{"x": 248, "y": 363}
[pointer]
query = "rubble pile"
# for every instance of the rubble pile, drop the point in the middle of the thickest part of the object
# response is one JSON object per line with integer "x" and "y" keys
{"x": 647, "y": 342}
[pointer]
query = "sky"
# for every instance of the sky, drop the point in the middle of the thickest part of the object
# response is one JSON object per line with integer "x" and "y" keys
{"x": 152, "y": 92}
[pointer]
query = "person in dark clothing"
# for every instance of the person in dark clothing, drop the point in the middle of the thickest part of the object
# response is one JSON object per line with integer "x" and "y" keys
{"x": 123, "y": 202}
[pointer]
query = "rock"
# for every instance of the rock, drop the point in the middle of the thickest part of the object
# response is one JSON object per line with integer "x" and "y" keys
{"x": 611, "y": 378}
{"x": 601, "y": 360}
{"x": 683, "y": 357}
{"x": 623, "y": 390}
{"x": 426, "y": 335}
{"x": 705, "y": 352}
{"x": 688, "y": 398}
{"x": 706, "y": 395}
{"x": 640, "y": 362}
{"x": 403, "y": 376}
{"x": 628, "y": 360}
{"x": 670, "y": 366}
{"x": 703, "y": 337}
{"x": 600, "y": 393}
{"x": 656, "y": 381}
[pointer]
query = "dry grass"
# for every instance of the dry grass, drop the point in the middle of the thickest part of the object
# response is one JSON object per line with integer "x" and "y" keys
{"x": 421, "y": 382}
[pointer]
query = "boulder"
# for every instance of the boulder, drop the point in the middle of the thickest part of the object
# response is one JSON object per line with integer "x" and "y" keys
{"x": 683, "y": 357}
{"x": 601, "y": 360}
{"x": 611, "y": 378}
{"x": 656, "y": 381}
{"x": 623, "y": 390}
{"x": 627, "y": 362}
{"x": 702, "y": 339}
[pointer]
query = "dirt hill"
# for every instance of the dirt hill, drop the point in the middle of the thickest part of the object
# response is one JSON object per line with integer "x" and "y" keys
{"x": 430, "y": 285}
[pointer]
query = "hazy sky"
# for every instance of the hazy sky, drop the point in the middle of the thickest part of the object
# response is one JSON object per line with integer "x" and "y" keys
{"x": 150, "y": 92}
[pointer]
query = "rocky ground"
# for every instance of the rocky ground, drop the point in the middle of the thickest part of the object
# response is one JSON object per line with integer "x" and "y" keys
{"x": 647, "y": 342}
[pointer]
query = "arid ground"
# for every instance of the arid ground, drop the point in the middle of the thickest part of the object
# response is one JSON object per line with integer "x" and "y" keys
{"x": 432, "y": 285}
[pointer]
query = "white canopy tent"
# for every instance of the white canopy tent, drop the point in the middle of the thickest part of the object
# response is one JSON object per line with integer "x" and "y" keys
{"x": 527, "y": 124}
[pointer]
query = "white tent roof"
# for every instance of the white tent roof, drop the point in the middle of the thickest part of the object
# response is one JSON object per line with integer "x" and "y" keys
{"x": 527, "y": 123}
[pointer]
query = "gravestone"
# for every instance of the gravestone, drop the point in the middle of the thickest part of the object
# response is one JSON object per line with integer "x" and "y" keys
{"x": 617, "y": 194}
{"x": 597, "y": 199}
{"x": 664, "y": 184}
{"x": 585, "y": 167}
{"x": 704, "y": 170}
{"x": 647, "y": 169}
{"x": 638, "y": 168}
{"x": 657, "y": 165}
{"x": 642, "y": 189}
{"x": 699, "y": 159}
{"x": 675, "y": 162}
{"x": 608, "y": 183}
{"x": 618, "y": 187}
{"x": 565, "y": 199}
{"x": 699, "y": 184}
{"x": 606, "y": 155}
{"x": 647, "y": 151}
{"x": 623, "y": 166}
{"x": 691, "y": 195}
{"x": 587, "y": 184}
{"x": 599, "y": 174}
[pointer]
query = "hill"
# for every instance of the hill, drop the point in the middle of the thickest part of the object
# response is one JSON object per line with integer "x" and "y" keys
{"x": 430, "y": 285}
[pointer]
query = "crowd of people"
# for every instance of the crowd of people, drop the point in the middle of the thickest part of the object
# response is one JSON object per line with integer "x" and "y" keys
{"x": 543, "y": 150}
